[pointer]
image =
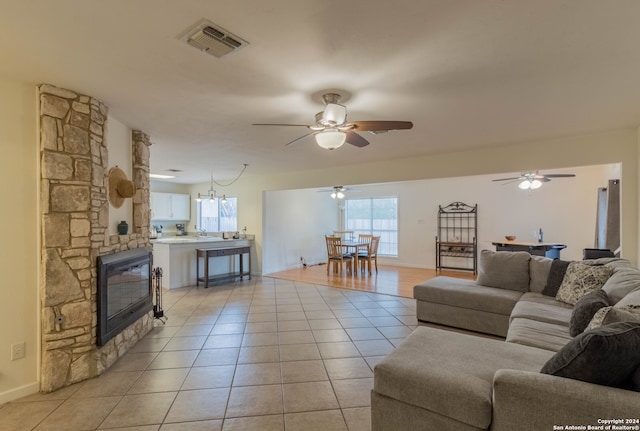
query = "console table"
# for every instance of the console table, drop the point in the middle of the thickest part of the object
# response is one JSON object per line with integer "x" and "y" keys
{"x": 207, "y": 253}
{"x": 548, "y": 249}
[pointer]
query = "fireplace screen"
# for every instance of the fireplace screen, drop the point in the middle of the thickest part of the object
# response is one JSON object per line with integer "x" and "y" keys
{"x": 124, "y": 291}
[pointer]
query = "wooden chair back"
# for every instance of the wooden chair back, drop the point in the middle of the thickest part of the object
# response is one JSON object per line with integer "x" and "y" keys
{"x": 365, "y": 237}
{"x": 373, "y": 246}
{"x": 334, "y": 247}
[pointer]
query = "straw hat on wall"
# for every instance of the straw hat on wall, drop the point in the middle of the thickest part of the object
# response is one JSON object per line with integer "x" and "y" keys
{"x": 120, "y": 187}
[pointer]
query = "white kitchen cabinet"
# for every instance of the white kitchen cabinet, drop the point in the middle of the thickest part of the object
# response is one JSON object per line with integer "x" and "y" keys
{"x": 170, "y": 206}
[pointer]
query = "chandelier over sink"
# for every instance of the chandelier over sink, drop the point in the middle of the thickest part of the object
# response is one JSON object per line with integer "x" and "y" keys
{"x": 211, "y": 194}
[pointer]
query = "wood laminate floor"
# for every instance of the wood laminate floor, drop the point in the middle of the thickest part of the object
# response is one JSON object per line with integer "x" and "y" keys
{"x": 389, "y": 280}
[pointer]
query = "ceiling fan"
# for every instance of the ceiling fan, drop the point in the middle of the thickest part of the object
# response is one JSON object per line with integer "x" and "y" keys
{"x": 331, "y": 129}
{"x": 533, "y": 180}
{"x": 337, "y": 191}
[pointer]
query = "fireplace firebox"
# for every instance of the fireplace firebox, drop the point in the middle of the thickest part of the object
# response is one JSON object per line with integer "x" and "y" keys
{"x": 124, "y": 290}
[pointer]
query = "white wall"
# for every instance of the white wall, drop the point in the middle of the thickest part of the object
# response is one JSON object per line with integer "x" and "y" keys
{"x": 118, "y": 138}
{"x": 295, "y": 223}
{"x": 19, "y": 263}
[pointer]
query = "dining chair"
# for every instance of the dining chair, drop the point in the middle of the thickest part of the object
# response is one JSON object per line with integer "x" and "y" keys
{"x": 346, "y": 235}
{"x": 336, "y": 255}
{"x": 370, "y": 255}
{"x": 364, "y": 237}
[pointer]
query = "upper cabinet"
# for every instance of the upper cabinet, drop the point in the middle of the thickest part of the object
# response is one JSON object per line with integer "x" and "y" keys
{"x": 170, "y": 206}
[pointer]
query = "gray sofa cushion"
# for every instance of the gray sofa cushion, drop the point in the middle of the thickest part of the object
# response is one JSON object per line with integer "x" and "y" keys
{"x": 544, "y": 335}
{"x": 622, "y": 281}
{"x": 466, "y": 294}
{"x": 450, "y": 373}
{"x": 539, "y": 267}
{"x": 553, "y": 311}
{"x": 631, "y": 298}
{"x": 504, "y": 270}
{"x": 581, "y": 279}
{"x": 606, "y": 356}
{"x": 584, "y": 310}
{"x": 556, "y": 275}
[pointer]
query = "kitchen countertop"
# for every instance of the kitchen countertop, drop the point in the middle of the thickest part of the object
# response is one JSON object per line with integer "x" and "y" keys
{"x": 195, "y": 240}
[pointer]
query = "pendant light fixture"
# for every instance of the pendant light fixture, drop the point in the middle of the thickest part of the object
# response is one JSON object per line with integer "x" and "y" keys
{"x": 211, "y": 193}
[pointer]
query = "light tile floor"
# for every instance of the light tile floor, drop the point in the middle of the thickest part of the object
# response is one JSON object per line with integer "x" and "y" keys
{"x": 264, "y": 354}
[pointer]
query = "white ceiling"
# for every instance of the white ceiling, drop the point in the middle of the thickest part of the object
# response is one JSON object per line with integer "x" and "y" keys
{"x": 468, "y": 73}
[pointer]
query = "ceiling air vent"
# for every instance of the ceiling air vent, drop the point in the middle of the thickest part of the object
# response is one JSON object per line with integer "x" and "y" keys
{"x": 213, "y": 39}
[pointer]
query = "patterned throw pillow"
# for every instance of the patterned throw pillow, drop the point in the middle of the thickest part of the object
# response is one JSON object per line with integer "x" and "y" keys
{"x": 607, "y": 315}
{"x": 581, "y": 279}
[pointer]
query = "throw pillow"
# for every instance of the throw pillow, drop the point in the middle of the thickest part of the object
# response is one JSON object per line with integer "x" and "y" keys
{"x": 504, "y": 269}
{"x": 584, "y": 310}
{"x": 605, "y": 356}
{"x": 635, "y": 380}
{"x": 608, "y": 315}
{"x": 581, "y": 279}
{"x": 556, "y": 275}
{"x": 539, "y": 267}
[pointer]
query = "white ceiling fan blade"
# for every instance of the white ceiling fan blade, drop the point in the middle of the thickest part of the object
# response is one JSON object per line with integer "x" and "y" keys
{"x": 334, "y": 114}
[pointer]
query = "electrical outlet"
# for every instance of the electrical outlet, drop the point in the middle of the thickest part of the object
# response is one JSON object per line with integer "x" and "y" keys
{"x": 17, "y": 351}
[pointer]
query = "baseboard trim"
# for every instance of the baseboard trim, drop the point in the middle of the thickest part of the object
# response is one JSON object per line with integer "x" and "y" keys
{"x": 19, "y": 392}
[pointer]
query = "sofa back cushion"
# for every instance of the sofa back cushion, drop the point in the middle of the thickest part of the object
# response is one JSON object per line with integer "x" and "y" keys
{"x": 504, "y": 269}
{"x": 622, "y": 282}
{"x": 539, "y": 267}
{"x": 631, "y": 298}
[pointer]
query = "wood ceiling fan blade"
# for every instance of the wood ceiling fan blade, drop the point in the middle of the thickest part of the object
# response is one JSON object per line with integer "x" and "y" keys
{"x": 278, "y": 124}
{"x": 560, "y": 175}
{"x": 380, "y": 126}
{"x": 301, "y": 137}
{"x": 354, "y": 139}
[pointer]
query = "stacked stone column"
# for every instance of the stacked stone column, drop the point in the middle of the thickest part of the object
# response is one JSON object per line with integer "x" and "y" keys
{"x": 74, "y": 221}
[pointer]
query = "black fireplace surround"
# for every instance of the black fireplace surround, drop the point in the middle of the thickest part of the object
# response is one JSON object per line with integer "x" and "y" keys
{"x": 124, "y": 291}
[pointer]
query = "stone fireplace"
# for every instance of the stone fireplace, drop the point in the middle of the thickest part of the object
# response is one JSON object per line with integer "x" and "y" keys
{"x": 74, "y": 219}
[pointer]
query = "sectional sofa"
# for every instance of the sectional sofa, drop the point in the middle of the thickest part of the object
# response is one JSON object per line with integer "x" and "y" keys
{"x": 569, "y": 358}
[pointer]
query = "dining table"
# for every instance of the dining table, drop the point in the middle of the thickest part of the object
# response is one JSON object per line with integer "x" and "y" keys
{"x": 353, "y": 247}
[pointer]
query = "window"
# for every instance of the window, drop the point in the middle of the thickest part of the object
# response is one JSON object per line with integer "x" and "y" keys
{"x": 376, "y": 216}
{"x": 218, "y": 216}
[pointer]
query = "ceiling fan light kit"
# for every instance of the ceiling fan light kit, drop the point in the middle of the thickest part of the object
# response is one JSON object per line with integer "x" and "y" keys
{"x": 330, "y": 139}
{"x": 528, "y": 184}
{"x": 533, "y": 180}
